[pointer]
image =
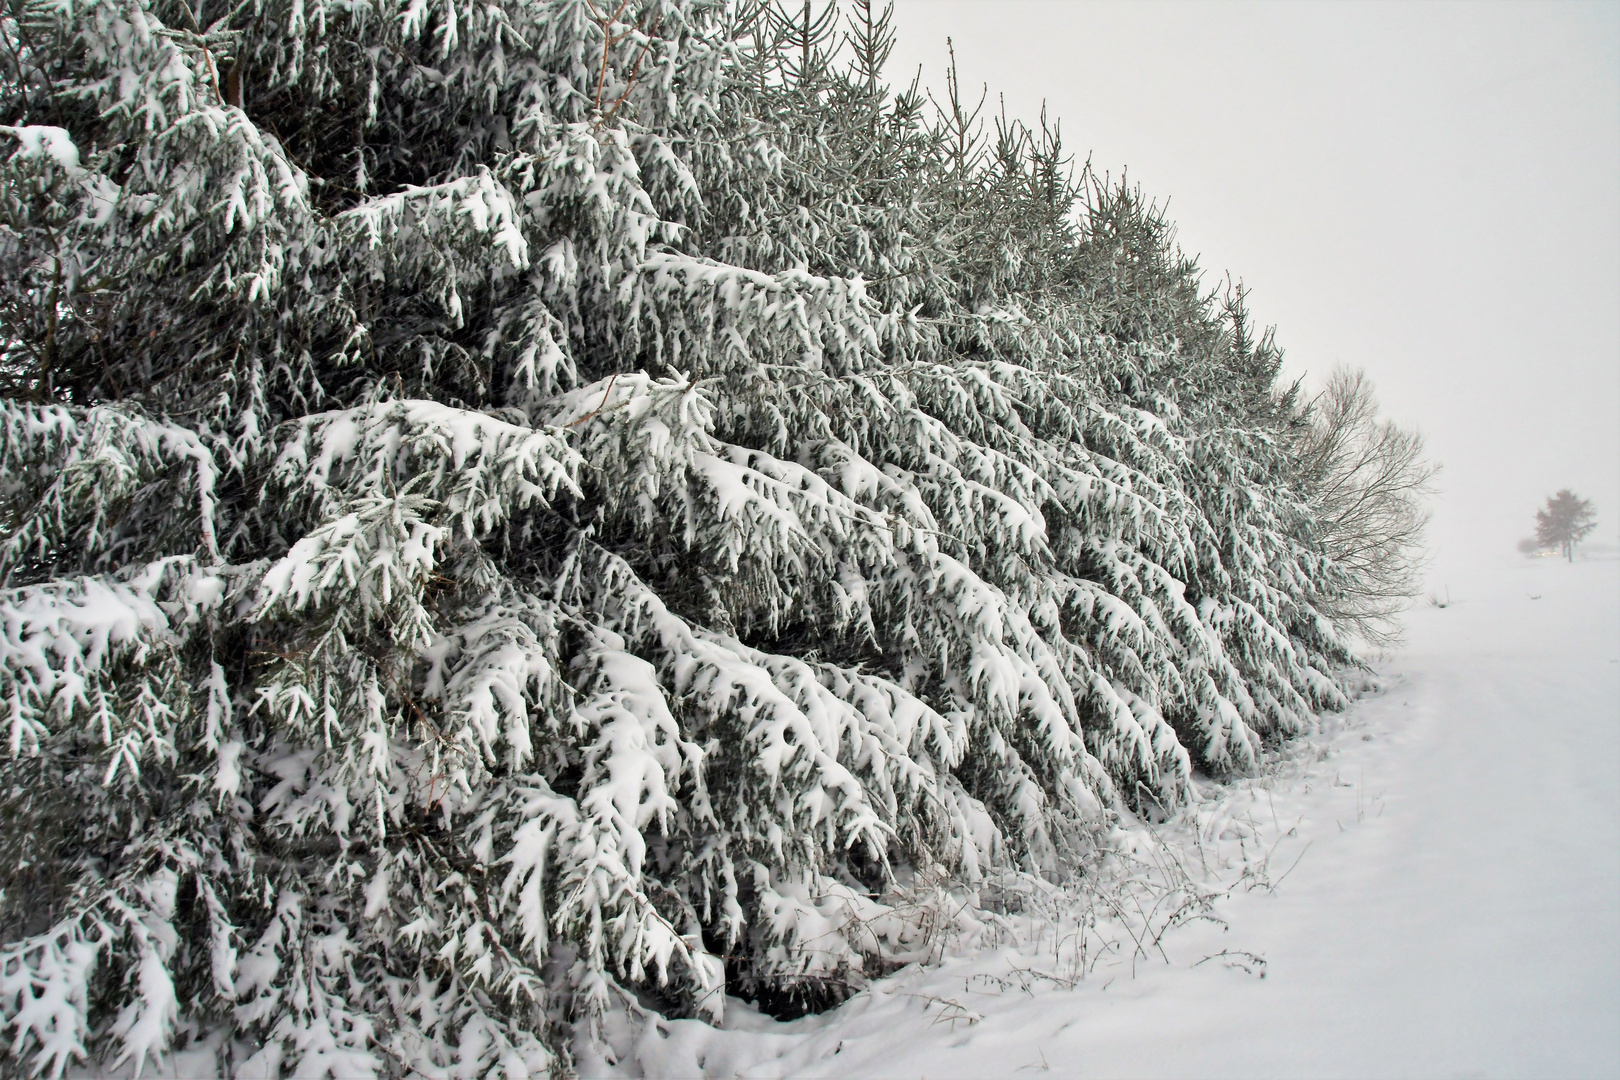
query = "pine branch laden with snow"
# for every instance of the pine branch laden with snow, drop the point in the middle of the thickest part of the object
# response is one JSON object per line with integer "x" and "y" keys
{"x": 512, "y": 507}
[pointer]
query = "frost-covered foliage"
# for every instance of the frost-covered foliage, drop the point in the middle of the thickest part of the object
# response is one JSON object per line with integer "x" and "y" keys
{"x": 509, "y": 506}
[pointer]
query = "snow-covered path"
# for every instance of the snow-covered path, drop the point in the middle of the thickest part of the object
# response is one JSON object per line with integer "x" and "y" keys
{"x": 1456, "y": 913}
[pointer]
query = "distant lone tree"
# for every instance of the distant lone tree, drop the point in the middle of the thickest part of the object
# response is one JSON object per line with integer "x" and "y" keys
{"x": 1565, "y": 521}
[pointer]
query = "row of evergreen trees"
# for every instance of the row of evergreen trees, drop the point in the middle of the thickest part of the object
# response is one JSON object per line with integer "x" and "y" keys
{"x": 512, "y": 504}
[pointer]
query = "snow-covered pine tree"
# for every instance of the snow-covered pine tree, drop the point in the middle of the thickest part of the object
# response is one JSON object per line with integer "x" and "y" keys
{"x": 512, "y": 505}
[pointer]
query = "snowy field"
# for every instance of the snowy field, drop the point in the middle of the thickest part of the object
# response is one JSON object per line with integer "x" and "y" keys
{"x": 1441, "y": 898}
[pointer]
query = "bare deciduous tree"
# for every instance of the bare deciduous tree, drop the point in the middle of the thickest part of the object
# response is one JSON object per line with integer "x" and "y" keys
{"x": 1368, "y": 480}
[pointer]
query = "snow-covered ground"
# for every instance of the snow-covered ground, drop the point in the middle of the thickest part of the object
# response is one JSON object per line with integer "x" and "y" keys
{"x": 1442, "y": 897}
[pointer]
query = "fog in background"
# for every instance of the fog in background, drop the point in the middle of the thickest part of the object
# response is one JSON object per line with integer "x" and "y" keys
{"x": 1430, "y": 192}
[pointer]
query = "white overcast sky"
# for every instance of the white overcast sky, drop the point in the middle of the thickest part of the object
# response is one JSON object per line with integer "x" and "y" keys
{"x": 1427, "y": 191}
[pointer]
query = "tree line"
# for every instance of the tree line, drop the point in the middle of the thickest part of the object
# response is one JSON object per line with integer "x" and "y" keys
{"x": 520, "y": 510}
